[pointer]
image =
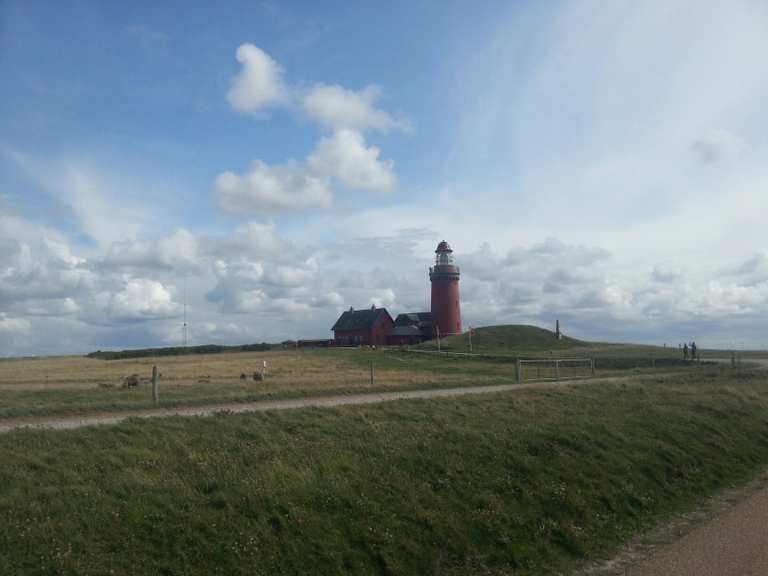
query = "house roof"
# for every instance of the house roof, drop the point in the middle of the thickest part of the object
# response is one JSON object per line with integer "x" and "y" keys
{"x": 359, "y": 319}
{"x": 405, "y": 331}
{"x": 410, "y": 318}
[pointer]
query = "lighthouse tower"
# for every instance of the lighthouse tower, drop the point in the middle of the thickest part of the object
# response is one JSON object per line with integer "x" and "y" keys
{"x": 444, "y": 275}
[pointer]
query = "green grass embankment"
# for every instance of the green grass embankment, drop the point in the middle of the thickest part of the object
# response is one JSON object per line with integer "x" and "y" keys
{"x": 524, "y": 341}
{"x": 531, "y": 482}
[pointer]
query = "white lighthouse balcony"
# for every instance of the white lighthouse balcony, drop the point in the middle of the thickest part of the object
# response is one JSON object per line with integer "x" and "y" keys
{"x": 444, "y": 271}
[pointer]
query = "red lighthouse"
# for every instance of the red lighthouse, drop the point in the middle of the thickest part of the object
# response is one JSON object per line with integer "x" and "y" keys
{"x": 446, "y": 312}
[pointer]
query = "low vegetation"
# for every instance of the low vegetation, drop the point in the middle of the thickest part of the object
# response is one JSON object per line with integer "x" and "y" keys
{"x": 81, "y": 385}
{"x": 531, "y": 482}
{"x": 178, "y": 351}
{"x": 77, "y": 385}
{"x": 534, "y": 342}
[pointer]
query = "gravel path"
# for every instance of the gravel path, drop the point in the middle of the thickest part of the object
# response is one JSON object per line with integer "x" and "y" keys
{"x": 734, "y": 543}
{"x": 726, "y": 537}
{"x": 70, "y": 422}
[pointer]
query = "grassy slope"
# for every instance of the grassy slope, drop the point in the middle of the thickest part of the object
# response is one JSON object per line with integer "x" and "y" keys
{"x": 533, "y": 482}
{"x": 506, "y": 339}
{"x": 534, "y": 342}
{"x": 525, "y": 340}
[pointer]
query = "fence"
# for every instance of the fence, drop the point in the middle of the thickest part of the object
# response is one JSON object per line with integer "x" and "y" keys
{"x": 554, "y": 368}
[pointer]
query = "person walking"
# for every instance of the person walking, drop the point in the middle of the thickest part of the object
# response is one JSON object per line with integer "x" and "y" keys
{"x": 693, "y": 351}
{"x": 685, "y": 351}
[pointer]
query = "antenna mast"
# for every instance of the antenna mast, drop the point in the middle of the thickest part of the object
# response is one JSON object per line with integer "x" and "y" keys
{"x": 185, "y": 311}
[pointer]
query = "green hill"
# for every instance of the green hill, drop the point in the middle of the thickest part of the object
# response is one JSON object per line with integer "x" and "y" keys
{"x": 515, "y": 338}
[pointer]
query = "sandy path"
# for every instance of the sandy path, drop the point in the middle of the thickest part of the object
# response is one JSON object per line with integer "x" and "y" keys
{"x": 70, "y": 422}
{"x": 734, "y": 543}
{"x": 723, "y": 538}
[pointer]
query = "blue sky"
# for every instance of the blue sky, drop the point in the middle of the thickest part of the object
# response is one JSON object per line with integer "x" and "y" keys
{"x": 604, "y": 164}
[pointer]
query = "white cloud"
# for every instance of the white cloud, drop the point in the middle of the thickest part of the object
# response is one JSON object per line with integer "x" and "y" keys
{"x": 259, "y": 83}
{"x": 286, "y": 275}
{"x": 342, "y": 157}
{"x": 266, "y": 189}
{"x": 142, "y": 299}
{"x": 336, "y": 107}
{"x": 14, "y": 326}
{"x": 255, "y": 239}
{"x": 179, "y": 250}
{"x": 345, "y": 157}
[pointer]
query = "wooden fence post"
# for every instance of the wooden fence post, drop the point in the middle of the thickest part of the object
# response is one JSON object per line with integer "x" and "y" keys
{"x": 592, "y": 365}
{"x": 155, "y": 385}
{"x": 557, "y": 369}
{"x": 371, "y": 372}
{"x": 518, "y": 371}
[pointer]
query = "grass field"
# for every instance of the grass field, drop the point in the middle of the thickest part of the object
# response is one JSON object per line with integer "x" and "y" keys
{"x": 531, "y": 482}
{"x": 78, "y": 385}
{"x": 32, "y": 387}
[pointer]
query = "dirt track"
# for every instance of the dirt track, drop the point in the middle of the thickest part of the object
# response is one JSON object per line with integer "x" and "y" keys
{"x": 69, "y": 422}
{"x": 735, "y": 543}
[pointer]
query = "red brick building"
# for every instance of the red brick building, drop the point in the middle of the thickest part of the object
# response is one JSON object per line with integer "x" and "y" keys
{"x": 363, "y": 327}
{"x": 411, "y": 328}
{"x": 374, "y": 326}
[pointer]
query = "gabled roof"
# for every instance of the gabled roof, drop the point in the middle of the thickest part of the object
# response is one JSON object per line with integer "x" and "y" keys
{"x": 410, "y": 318}
{"x": 359, "y": 319}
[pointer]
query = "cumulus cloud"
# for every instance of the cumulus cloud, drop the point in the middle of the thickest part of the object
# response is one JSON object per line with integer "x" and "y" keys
{"x": 42, "y": 269}
{"x": 178, "y": 250}
{"x": 259, "y": 83}
{"x": 142, "y": 299}
{"x": 336, "y": 107}
{"x": 254, "y": 239}
{"x": 268, "y": 189}
{"x": 346, "y": 157}
{"x": 342, "y": 157}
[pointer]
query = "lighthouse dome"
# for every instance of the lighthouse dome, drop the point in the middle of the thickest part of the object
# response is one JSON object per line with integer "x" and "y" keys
{"x": 443, "y": 247}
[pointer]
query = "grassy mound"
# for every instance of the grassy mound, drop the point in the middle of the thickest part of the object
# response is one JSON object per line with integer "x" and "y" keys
{"x": 532, "y": 482}
{"x": 515, "y": 338}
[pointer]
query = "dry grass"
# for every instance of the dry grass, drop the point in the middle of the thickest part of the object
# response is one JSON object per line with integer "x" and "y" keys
{"x": 81, "y": 372}
{"x": 68, "y": 385}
